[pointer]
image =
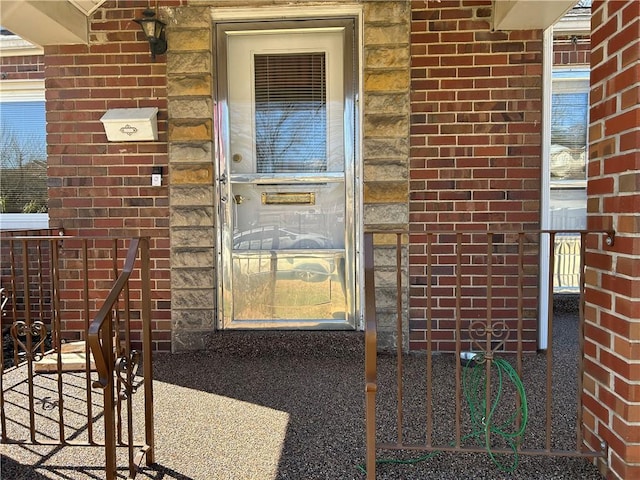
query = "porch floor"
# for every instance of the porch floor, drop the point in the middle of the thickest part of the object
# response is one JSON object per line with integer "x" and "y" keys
{"x": 290, "y": 405}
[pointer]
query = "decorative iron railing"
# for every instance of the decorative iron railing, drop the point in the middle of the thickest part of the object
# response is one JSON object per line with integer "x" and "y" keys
{"x": 478, "y": 296}
{"x": 76, "y": 313}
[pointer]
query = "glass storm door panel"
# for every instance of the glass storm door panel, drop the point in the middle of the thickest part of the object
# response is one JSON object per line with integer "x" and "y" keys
{"x": 286, "y": 170}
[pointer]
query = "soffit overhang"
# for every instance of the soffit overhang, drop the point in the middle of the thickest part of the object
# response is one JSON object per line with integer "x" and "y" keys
{"x": 49, "y": 22}
{"x": 529, "y": 14}
{"x": 61, "y": 22}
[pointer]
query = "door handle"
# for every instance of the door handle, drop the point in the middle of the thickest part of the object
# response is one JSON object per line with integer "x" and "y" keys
{"x": 239, "y": 199}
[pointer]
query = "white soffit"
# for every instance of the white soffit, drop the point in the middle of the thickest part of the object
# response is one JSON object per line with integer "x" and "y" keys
{"x": 14, "y": 46}
{"x": 574, "y": 23}
{"x": 529, "y": 14}
{"x": 48, "y": 22}
{"x": 87, "y": 6}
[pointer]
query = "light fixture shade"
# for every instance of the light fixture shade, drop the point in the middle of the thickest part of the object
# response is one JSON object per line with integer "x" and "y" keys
{"x": 154, "y": 31}
{"x": 148, "y": 27}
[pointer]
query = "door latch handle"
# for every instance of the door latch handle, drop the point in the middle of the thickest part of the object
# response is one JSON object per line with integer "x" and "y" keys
{"x": 239, "y": 199}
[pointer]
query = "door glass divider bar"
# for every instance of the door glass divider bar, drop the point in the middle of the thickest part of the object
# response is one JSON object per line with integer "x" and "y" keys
{"x": 299, "y": 178}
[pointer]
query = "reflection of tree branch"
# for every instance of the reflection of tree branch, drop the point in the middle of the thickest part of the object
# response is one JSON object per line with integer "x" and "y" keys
{"x": 568, "y": 126}
{"x": 23, "y": 168}
{"x": 278, "y": 133}
{"x": 271, "y": 131}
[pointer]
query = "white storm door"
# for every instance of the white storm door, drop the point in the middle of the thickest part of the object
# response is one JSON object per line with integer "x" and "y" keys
{"x": 287, "y": 195}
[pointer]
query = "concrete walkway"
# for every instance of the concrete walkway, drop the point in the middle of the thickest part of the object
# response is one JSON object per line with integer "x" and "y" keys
{"x": 290, "y": 405}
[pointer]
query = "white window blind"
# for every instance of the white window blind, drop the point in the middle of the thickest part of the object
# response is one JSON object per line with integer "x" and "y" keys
{"x": 23, "y": 156}
{"x": 291, "y": 112}
{"x": 569, "y": 123}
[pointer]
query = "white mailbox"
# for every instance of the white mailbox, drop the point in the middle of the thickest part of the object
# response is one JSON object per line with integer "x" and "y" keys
{"x": 131, "y": 124}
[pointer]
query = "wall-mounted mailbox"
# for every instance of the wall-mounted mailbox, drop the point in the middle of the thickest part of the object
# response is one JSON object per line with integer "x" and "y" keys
{"x": 131, "y": 124}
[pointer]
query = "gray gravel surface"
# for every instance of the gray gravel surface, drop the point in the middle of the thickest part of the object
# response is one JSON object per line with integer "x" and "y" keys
{"x": 290, "y": 405}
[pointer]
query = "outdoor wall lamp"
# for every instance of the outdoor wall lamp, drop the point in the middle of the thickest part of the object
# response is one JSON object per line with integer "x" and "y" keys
{"x": 154, "y": 31}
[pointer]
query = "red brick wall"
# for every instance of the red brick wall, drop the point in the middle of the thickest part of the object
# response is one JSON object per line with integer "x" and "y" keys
{"x": 29, "y": 67}
{"x": 98, "y": 187}
{"x": 475, "y": 157}
{"x": 612, "y": 343}
{"x": 20, "y": 289}
{"x": 571, "y": 50}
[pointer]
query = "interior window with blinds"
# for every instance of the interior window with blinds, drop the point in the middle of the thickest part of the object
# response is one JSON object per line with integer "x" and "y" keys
{"x": 568, "y": 154}
{"x": 569, "y": 121}
{"x": 291, "y": 113}
{"x": 23, "y": 156}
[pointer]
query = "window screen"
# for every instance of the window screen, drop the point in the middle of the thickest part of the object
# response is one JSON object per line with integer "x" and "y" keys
{"x": 290, "y": 113}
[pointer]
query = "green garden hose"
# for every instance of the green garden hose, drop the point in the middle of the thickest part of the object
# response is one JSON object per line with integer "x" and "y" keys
{"x": 474, "y": 387}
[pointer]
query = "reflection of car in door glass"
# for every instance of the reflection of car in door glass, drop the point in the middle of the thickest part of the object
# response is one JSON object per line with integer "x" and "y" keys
{"x": 314, "y": 266}
{"x": 274, "y": 238}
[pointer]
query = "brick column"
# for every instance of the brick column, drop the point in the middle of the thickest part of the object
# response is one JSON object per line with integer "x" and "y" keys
{"x": 612, "y": 338}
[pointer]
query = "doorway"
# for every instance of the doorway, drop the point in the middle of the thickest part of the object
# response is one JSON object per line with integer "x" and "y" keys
{"x": 285, "y": 165}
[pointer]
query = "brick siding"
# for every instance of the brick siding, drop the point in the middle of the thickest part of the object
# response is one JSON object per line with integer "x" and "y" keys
{"x": 37, "y": 286}
{"x": 571, "y": 50}
{"x": 612, "y": 313}
{"x": 98, "y": 187}
{"x": 475, "y": 154}
{"x": 29, "y": 67}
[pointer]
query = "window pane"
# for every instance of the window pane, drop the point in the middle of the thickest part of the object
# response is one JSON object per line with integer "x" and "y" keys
{"x": 569, "y": 209}
{"x": 569, "y": 135}
{"x": 23, "y": 157}
{"x": 291, "y": 113}
{"x": 568, "y": 154}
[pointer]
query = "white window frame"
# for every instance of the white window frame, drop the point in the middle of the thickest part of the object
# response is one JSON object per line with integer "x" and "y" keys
{"x": 576, "y": 83}
{"x": 575, "y": 26}
{"x": 22, "y": 91}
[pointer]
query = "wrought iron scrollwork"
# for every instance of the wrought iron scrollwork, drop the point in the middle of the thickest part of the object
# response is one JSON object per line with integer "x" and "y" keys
{"x": 489, "y": 338}
{"x": 3, "y": 301}
{"x": 125, "y": 368}
{"x": 37, "y": 329}
{"x": 48, "y": 403}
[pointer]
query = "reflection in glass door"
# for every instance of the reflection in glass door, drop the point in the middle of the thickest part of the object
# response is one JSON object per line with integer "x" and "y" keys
{"x": 286, "y": 170}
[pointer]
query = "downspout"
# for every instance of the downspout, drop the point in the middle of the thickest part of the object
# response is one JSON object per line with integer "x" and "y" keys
{"x": 545, "y": 190}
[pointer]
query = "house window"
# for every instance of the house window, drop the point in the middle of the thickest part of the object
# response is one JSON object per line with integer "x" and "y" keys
{"x": 23, "y": 153}
{"x": 568, "y": 152}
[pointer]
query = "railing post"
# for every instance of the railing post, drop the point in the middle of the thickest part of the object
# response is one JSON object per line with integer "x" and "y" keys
{"x": 147, "y": 351}
{"x": 109, "y": 401}
{"x": 370, "y": 355}
{"x": 101, "y": 343}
